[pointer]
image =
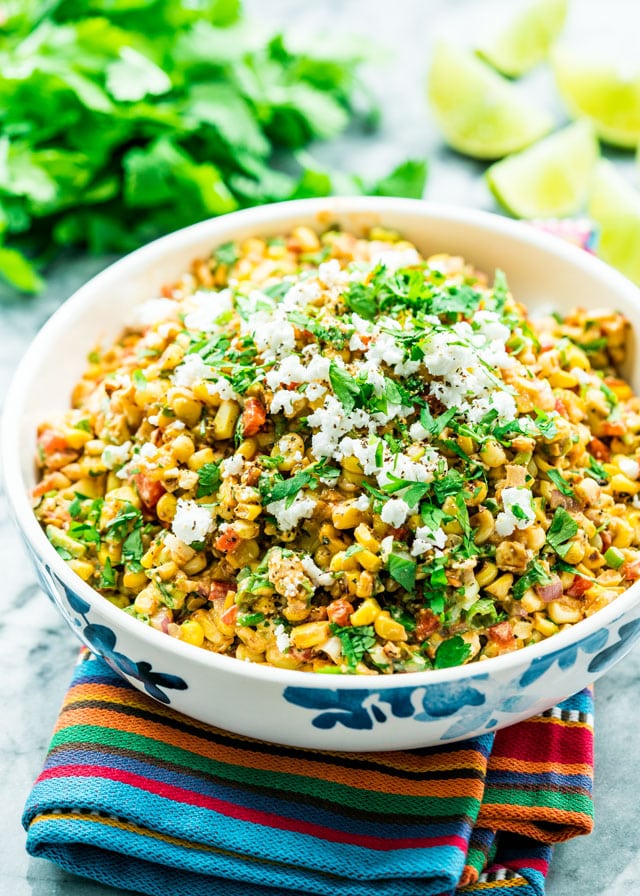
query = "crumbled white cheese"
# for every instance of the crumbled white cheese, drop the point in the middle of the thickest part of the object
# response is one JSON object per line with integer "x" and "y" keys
{"x": 581, "y": 375}
{"x": 386, "y": 548}
{"x": 507, "y": 521}
{"x": 148, "y": 451}
{"x": 223, "y": 389}
{"x": 192, "y": 369}
{"x": 232, "y": 466}
{"x": 151, "y": 312}
{"x": 314, "y": 391}
{"x": 319, "y": 578}
{"x": 302, "y": 293}
{"x": 426, "y": 539}
{"x": 273, "y": 335}
{"x": 285, "y": 400}
{"x": 629, "y": 467}
{"x": 394, "y": 259}
{"x": 283, "y": 640}
{"x": 207, "y": 308}
{"x": 395, "y": 512}
{"x": 192, "y": 522}
{"x": 116, "y": 455}
{"x": 363, "y": 502}
{"x": 288, "y": 517}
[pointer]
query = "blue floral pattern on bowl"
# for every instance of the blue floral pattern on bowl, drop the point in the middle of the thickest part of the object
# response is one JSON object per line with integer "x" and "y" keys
{"x": 102, "y": 640}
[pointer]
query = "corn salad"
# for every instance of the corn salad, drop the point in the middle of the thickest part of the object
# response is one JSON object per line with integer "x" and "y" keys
{"x": 327, "y": 453}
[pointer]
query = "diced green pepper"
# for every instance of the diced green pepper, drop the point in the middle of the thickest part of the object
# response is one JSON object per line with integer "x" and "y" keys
{"x": 614, "y": 558}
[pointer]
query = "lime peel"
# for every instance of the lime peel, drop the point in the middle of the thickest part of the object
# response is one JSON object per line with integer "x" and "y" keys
{"x": 527, "y": 39}
{"x": 615, "y": 207}
{"x": 550, "y": 178}
{"x": 480, "y": 113}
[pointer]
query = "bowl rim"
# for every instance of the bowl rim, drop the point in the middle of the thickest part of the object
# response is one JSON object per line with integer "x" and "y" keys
{"x": 216, "y": 229}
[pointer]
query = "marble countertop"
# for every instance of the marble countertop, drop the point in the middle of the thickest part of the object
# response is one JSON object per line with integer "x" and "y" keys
{"x": 37, "y": 651}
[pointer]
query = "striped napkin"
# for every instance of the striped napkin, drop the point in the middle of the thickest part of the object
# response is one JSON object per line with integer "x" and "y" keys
{"x": 138, "y": 796}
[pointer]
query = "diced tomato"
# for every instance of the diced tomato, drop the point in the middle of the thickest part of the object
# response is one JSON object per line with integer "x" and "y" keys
{"x": 219, "y": 590}
{"x": 150, "y": 490}
{"x": 561, "y": 408}
{"x": 51, "y": 442}
{"x": 631, "y": 570}
{"x": 578, "y": 587}
{"x": 228, "y": 541}
{"x": 401, "y": 533}
{"x": 612, "y": 428}
{"x": 230, "y": 615}
{"x": 426, "y": 623}
{"x": 339, "y": 611}
{"x": 599, "y": 450}
{"x": 254, "y": 416}
{"x": 167, "y": 291}
{"x": 501, "y": 634}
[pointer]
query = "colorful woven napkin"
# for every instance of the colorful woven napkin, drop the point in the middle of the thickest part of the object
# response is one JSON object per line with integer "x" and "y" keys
{"x": 138, "y": 796}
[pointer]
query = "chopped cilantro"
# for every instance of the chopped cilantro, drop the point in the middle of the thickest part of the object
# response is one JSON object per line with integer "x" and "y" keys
{"x": 403, "y": 570}
{"x": 284, "y": 488}
{"x": 597, "y": 471}
{"x": 560, "y": 483}
{"x": 344, "y": 386}
{"x": 84, "y": 425}
{"x": 535, "y": 574}
{"x": 435, "y": 425}
{"x": 139, "y": 379}
{"x": 482, "y": 613}
{"x": 119, "y": 523}
{"x": 84, "y": 532}
{"x": 107, "y": 575}
{"x": 450, "y": 484}
{"x": 355, "y": 640}
{"x": 360, "y": 298}
{"x": 562, "y": 529}
{"x": 403, "y": 617}
{"x": 452, "y": 652}
{"x": 75, "y": 508}
{"x": 546, "y": 424}
{"x": 226, "y": 254}
{"x": 412, "y": 492}
{"x": 500, "y": 290}
{"x": 209, "y": 479}
{"x": 132, "y": 547}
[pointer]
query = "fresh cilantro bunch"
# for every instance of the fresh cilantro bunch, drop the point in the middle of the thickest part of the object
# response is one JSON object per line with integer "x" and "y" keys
{"x": 120, "y": 121}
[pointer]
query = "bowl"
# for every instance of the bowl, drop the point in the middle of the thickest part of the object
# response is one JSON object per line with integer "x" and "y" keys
{"x": 303, "y": 708}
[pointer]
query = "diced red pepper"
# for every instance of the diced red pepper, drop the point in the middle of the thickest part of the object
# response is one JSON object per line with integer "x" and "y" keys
{"x": 219, "y": 590}
{"x": 561, "y": 408}
{"x": 612, "y": 428}
{"x": 426, "y": 623}
{"x": 501, "y": 634}
{"x": 228, "y": 541}
{"x": 339, "y": 611}
{"x": 631, "y": 570}
{"x": 150, "y": 490}
{"x": 230, "y": 615}
{"x": 599, "y": 450}
{"x": 578, "y": 587}
{"x": 51, "y": 442}
{"x": 254, "y": 416}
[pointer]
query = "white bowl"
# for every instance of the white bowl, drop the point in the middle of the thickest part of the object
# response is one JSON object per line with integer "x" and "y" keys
{"x": 303, "y": 708}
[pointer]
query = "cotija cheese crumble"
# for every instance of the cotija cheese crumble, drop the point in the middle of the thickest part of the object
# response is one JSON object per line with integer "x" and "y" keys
{"x": 329, "y": 453}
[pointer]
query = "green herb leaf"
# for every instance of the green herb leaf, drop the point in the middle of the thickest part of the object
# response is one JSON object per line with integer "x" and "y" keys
{"x": 562, "y": 529}
{"x": 452, "y": 652}
{"x": 286, "y": 488}
{"x": 403, "y": 570}
{"x": 408, "y": 179}
{"x": 107, "y": 575}
{"x": 560, "y": 482}
{"x": 344, "y": 386}
{"x": 209, "y": 479}
{"x": 355, "y": 640}
{"x": 360, "y": 298}
{"x": 535, "y": 574}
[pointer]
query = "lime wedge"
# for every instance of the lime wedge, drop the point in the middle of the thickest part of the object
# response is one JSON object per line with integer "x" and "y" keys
{"x": 615, "y": 208}
{"x": 480, "y": 113}
{"x": 598, "y": 91}
{"x": 549, "y": 179}
{"x": 527, "y": 39}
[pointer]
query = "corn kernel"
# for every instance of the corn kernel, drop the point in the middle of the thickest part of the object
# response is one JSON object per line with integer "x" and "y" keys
{"x": 310, "y": 634}
{"x": 166, "y": 508}
{"x": 200, "y": 458}
{"x": 225, "y": 420}
{"x": 545, "y": 626}
{"x": 347, "y": 515}
{"x": 82, "y": 568}
{"x": 134, "y": 581}
{"x": 501, "y": 587}
{"x": 192, "y": 632}
{"x": 341, "y": 563}
{"x": 487, "y": 574}
{"x": 366, "y": 612}
{"x": 562, "y": 612}
{"x": 77, "y": 438}
{"x": 388, "y": 628}
{"x": 364, "y": 536}
{"x": 368, "y": 560}
{"x": 182, "y": 447}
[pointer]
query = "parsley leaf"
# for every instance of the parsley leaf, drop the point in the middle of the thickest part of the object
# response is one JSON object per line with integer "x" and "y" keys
{"x": 562, "y": 529}
{"x": 355, "y": 640}
{"x": 452, "y": 652}
{"x": 344, "y": 386}
{"x": 107, "y": 575}
{"x": 535, "y": 574}
{"x": 209, "y": 479}
{"x": 286, "y": 488}
{"x": 403, "y": 570}
{"x": 560, "y": 483}
{"x": 361, "y": 299}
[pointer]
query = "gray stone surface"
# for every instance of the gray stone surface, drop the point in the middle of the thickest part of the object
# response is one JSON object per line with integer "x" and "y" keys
{"x": 37, "y": 651}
